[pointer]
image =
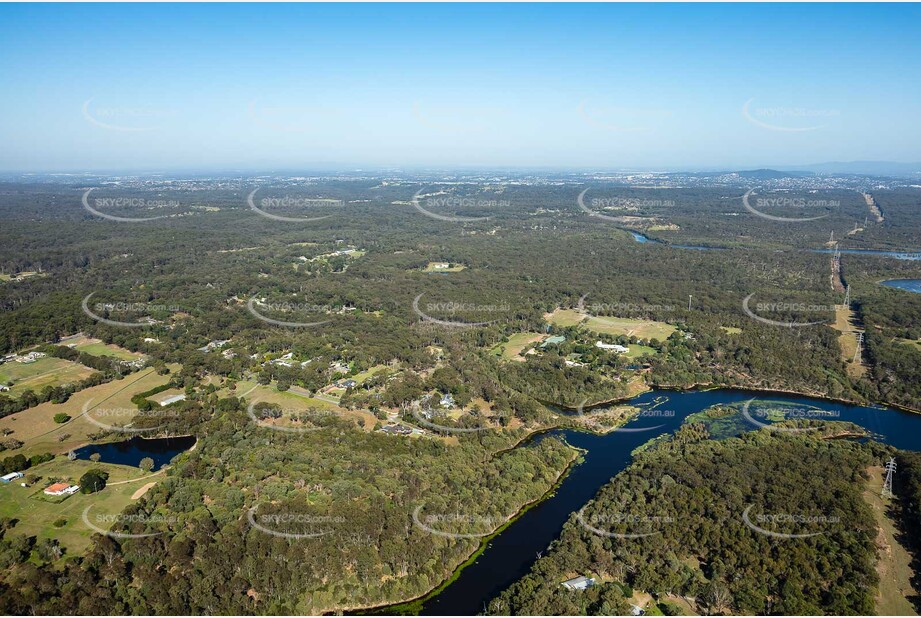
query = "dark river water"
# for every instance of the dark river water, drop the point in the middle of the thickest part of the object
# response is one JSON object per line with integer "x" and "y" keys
{"x": 131, "y": 452}
{"x": 899, "y": 255}
{"x": 510, "y": 554}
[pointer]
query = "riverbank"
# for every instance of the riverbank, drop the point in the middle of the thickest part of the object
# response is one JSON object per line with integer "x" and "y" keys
{"x": 780, "y": 391}
{"x": 414, "y": 606}
{"x": 510, "y": 550}
{"x": 705, "y": 386}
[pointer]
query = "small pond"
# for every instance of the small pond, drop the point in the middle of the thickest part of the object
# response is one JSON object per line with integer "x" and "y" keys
{"x": 131, "y": 452}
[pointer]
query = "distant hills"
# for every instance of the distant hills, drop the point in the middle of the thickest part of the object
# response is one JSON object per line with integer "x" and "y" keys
{"x": 766, "y": 174}
{"x": 859, "y": 168}
{"x": 871, "y": 168}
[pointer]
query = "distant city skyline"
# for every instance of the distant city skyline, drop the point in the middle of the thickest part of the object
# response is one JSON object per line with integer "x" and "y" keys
{"x": 148, "y": 88}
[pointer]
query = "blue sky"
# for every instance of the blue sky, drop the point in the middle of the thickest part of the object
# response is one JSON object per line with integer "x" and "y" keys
{"x": 259, "y": 87}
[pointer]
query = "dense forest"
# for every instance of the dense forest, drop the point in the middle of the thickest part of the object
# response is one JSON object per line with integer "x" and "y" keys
{"x": 358, "y": 490}
{"x": 537, "y": 253}
{"x": 348, "y": 496}
{"x": 687, "y": 500}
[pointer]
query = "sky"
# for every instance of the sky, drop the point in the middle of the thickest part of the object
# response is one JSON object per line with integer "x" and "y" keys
{"x": 169, "y": 87}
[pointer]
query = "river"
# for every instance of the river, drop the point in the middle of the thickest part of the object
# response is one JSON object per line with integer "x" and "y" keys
{"x": 511, "y": 554}
{"x": 899, "y": 255}
{"x": 909, "y": 285}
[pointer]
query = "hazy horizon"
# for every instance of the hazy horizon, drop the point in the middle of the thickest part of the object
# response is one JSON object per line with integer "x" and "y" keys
{"x": 172, "y": 88}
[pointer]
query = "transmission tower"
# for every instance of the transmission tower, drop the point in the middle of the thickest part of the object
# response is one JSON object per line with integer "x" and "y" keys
{"x": 859, "y": 344}
{"x": 887, "y": 484}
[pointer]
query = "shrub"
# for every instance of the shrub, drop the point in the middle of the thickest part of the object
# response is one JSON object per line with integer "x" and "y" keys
{"x": 93, "y": 480}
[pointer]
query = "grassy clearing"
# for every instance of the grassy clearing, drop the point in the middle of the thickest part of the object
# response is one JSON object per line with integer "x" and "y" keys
{"x": 44, "y": 372}
{"x": 847, "y": 340}
{"x": 608, "y": 325}
{"x": 37, "y": 515}
{"x": 637, "y": 386}
{"x": 21, "y": 276}
{"x": 639, "y": 350}
{"x": 911, "y": 342}
{"x": 565, "y": 317}
{"x": 40, "y": 434}
{"x": 163, "y": 396}
{"x": 254, "y": 391}
{"x": 296, "y": 400}
{"x": 516, "y": 344}
{"x": 644, "y": 329}
{"x": 732, "y": 330}
{"x": 364, "y": 376}
{"x": 98, "y": 348}
{"x": 682, "y": 603}
{"x": 894, "y": 565}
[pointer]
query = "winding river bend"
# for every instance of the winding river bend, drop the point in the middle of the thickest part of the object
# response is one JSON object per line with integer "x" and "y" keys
{"x": 510, "y": 555}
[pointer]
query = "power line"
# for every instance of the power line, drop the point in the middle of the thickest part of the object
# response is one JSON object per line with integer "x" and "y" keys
{"x": 887, "y": 484}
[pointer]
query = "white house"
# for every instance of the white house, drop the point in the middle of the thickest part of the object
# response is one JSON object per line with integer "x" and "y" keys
{"x": 172, "y": 399}
{"x": 61, "y": 489}
{"x": 612, "y": 346}
{"x": 12, "y": 476}
{"x": 211, "y": 345}
{"x": 579, "y": 583}
{"x": 447, "y": 401}
{"x": 31, "y": 357}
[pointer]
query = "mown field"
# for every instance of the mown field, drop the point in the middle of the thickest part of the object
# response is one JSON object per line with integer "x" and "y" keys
{"x": 35, "y": 427}
{"x": 637, "y": 350}
{"x": 608, "y": 325}
{"x": 515, "y": 345}
{"x": 106, "y": 349}
{"x": 293, "y": 401}
{"x": 36, "y": 513}
{"x": 97, "y": 347}
{"x": 44, "y": 372}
